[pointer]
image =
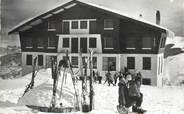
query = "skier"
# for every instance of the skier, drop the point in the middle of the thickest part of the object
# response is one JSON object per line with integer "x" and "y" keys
{"x": 109, "y": 78}
{"x": 99, "y": 78}
{"x": 94, "y": 76}
{"x": 129, "y": 94}
{"x": 115, "y": 76}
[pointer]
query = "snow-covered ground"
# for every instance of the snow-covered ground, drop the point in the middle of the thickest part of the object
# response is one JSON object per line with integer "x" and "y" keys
{"x": 174, "y": 68}
{"x": 165, "y": 100}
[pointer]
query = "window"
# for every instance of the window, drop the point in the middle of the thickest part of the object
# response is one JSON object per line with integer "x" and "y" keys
{"x": 109, "y": 63}
{"x": 161, "y": 63}
{"x": 66, "y": 43}
{"x": 66, "y": 27}
{"x": 146, "y": 63}
{"x": 29, "y": 60}
{"x": 83, "y": 45}
{"x": 52, "y": 41}
{"x": 40, "y": 60}
{"x": 29, "y": 43}
{"x": 108, "y": 24}
{"x": 74, "y": 24}
{"x": 95, "y": 62}
{"x": 158, "y": 65}
{"x": 74, "y": 45}
{"x": 131, "y": 62}
{"x": 162, "y": 44}
{"x": 84, "y": 60}
{"x": 92, "y": 42}
{"x": 83, "y": 24}
{"x": 74, "y": 61}
{"x": 108, "y": 42}
{"x": 40, "y": 42}
{"x": 92, "y": 27}
{"x": 131, "y": 43}
{"x": 146, "y": 81}
{"x": 147, "y": 42}
{"x": 52, "y": 25}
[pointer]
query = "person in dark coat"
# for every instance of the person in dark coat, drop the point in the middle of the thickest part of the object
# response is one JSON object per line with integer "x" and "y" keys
{"x": 129, "y": 94}
{"x": 109, "y": 78}
{"x": 115, "y": 76}
{"x": 123, "y": 95}
{"x": 94, "y": 76}
{"x": 135, "y": 95}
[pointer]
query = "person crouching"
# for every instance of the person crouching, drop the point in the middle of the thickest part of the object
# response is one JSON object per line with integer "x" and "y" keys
{"x": 129, "y": 94}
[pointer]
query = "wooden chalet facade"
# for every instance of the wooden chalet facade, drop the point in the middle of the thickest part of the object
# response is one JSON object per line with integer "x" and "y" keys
{"x": 118, "y": 40}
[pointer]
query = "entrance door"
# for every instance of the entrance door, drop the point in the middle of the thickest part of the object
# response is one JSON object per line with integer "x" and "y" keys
{"x": 83, "y": 45}
{"x": 74, "y": 45}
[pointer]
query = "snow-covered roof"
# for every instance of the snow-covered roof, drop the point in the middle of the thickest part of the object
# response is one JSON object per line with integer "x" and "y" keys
{"x": 27, "y": 24}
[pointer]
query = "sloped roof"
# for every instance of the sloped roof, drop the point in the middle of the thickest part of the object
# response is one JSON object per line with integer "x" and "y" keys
{"x": 27, "y": 24}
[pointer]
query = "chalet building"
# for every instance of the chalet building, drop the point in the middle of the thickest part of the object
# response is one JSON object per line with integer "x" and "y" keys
{"x": 117, "y": 39}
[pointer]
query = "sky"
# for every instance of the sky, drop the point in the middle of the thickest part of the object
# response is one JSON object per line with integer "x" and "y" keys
{"x": 172, "y": 12}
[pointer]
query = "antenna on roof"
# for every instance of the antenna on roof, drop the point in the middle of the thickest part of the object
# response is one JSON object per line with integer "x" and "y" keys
{"x": 140, "y": 15}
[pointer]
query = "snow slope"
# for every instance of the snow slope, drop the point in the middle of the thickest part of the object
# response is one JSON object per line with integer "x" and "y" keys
{"x": 166, "y": 100}
{"x": 174, "y": 69}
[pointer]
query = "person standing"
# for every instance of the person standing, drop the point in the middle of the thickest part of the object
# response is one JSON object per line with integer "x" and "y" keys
{"x": 115, "y": 76}
{"x": 109, "y": 78}
{"x": 99, "y": 78}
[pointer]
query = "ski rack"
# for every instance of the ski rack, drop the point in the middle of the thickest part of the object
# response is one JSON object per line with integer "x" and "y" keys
{"x": 53, "y": 107}
{"x": 68, "y": 66}
{"x": 55, "y": 73}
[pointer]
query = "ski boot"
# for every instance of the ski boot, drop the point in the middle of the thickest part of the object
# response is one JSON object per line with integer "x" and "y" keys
{"x": 138, "y": 110}
{"x": 122, "y": 109}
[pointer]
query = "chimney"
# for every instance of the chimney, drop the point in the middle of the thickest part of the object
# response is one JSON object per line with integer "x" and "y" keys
{"x": 158, "y": 17}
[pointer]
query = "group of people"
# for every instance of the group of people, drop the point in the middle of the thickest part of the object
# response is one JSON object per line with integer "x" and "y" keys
{"x": 97, "y": 77}
{"x": 129, "y": 90}
{"x": 112, "y": 79}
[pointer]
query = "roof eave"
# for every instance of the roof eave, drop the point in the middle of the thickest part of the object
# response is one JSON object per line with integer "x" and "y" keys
{"x": 16, "y": 28}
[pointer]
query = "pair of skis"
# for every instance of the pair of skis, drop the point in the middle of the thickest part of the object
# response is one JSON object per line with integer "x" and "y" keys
{"x": 67, "y": 66}
{"x": 84, "y": 94}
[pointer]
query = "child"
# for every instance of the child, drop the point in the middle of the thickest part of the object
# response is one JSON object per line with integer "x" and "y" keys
{"x": 123, "y": 95}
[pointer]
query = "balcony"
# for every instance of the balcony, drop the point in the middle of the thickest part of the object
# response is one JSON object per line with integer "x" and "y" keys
{"x": 75, "y": 42}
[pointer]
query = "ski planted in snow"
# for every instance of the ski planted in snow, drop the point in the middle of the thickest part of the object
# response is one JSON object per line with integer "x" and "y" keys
{"x": 55, "y": 81}
{"x": 31, "y": 84}
{"x": 91, "y": 94}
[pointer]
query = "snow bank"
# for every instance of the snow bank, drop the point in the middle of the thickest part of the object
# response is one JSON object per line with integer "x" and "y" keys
{"x": 174, "y": 68}
{"x": 41, "y": 95}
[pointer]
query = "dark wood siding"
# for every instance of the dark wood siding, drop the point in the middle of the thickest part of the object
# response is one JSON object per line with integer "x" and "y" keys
{"x": 138, "y": 31}
{"x": 123, "y": 29}
{"x": 39, "y": 35}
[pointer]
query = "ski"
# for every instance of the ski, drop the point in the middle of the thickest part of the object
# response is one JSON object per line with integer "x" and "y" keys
{"x": 31, "y": 84}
